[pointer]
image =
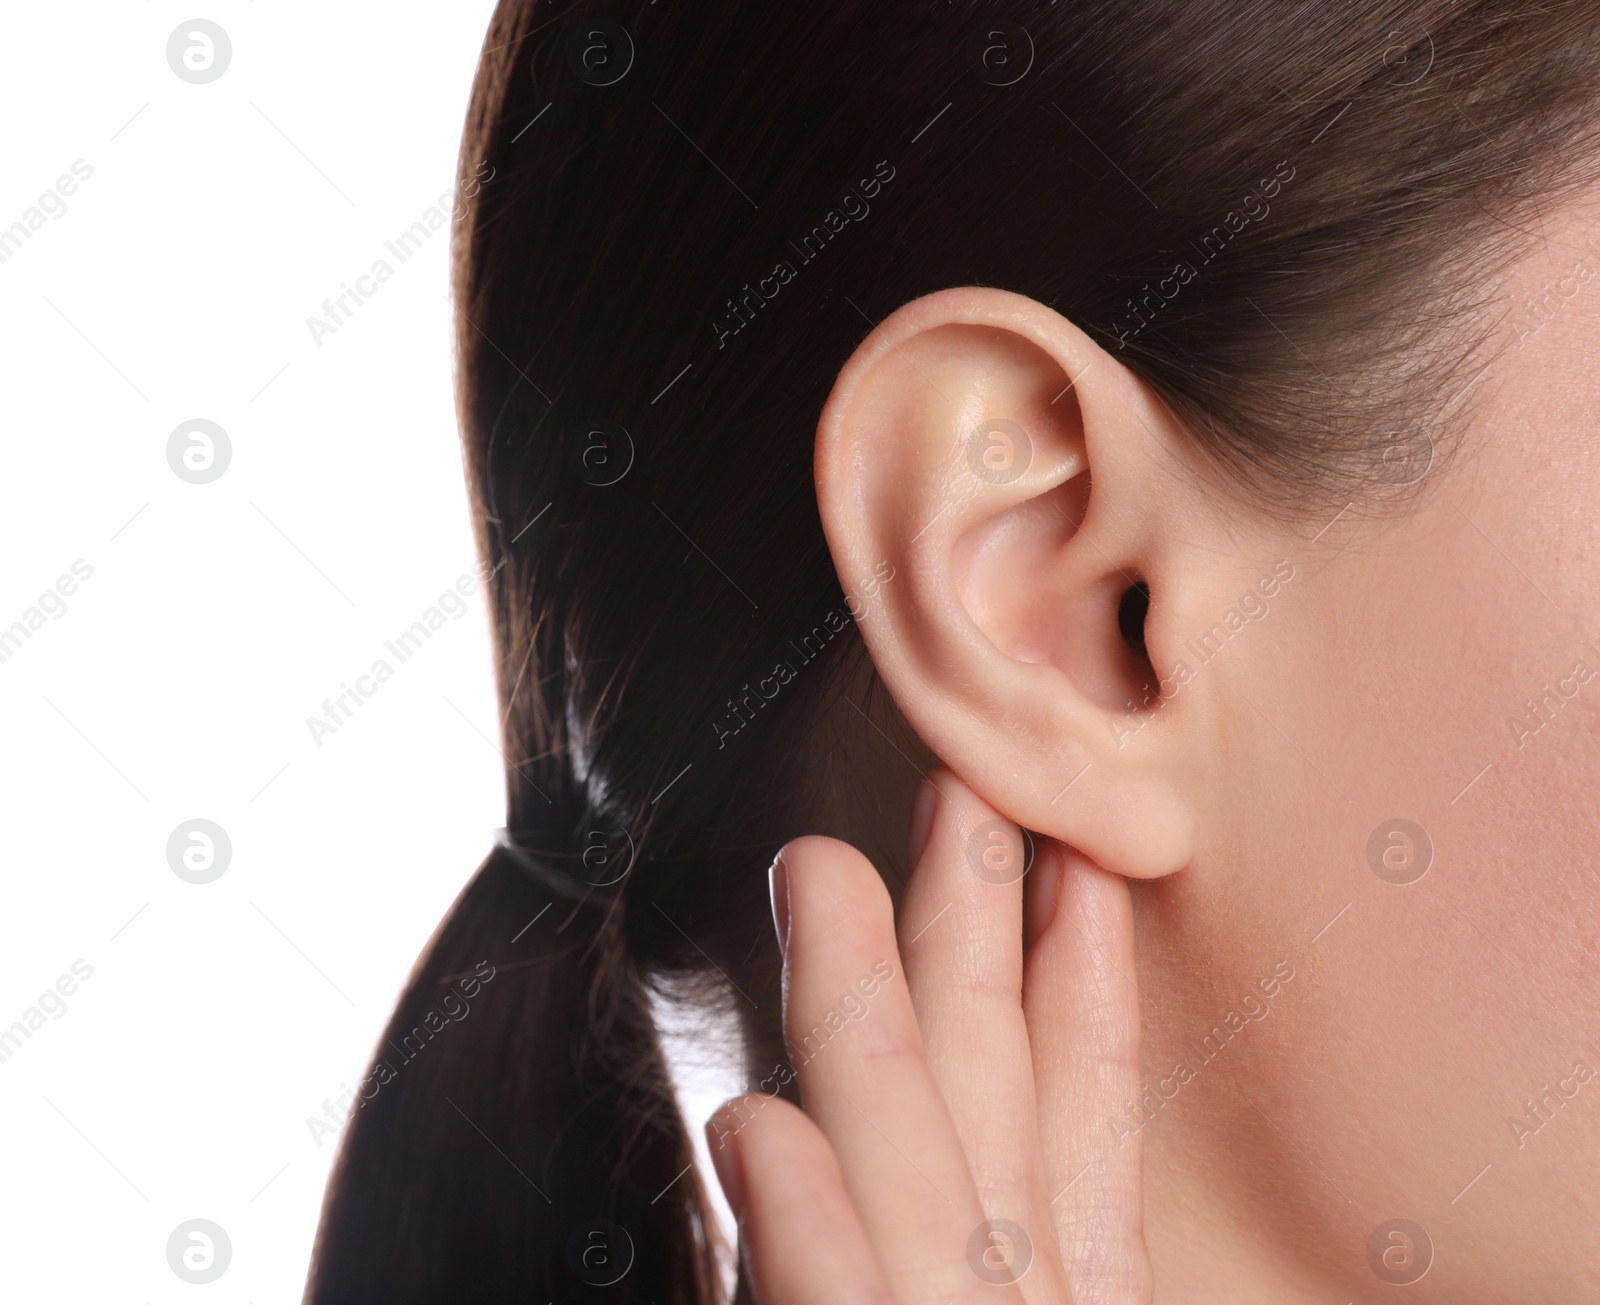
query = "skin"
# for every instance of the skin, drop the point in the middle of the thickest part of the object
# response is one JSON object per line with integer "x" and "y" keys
{"x": 1203, "y": 865}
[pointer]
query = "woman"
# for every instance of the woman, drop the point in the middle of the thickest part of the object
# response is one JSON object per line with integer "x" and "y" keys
{"x": 1160, "y": 428}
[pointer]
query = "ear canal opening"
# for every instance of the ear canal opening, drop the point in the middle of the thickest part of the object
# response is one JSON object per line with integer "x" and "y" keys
{"x": 1132, "y": 611}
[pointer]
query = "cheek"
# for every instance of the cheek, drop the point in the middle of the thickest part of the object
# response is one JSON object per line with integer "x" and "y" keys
{"x": 1419, "y": 670}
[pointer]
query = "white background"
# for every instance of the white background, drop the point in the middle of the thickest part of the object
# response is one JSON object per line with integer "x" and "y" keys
{"x": 178, "y": 681}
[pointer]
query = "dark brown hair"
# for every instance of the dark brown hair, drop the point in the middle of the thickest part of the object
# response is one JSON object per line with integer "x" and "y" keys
{"x": 1281, "y": 214}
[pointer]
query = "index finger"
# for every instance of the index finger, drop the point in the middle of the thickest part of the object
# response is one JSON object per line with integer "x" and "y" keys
{"x": 854, "y": 1040}
{"x": 1082, "y": 1007}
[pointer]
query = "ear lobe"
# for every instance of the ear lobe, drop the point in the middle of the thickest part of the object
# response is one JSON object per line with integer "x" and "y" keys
{"x": 1010, "y": 472}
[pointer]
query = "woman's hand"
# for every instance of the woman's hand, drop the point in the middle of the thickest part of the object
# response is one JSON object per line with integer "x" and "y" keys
{"x": 955, "y": 1143}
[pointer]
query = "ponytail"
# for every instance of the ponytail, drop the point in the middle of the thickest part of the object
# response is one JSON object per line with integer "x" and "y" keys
{"x": 517, "y": 1138}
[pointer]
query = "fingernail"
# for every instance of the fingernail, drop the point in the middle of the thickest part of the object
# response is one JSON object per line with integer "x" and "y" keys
{"x": 923, "y": 807}
{"x": 778, "y": 882}
{"x": 720, "y": 1131}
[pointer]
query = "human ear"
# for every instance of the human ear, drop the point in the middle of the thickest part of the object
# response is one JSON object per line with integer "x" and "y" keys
{"x": 1020, "y": 484}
